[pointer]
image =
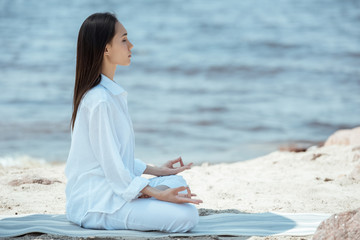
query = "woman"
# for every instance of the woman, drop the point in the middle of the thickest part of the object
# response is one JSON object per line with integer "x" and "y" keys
{"x": 105, "y": 189}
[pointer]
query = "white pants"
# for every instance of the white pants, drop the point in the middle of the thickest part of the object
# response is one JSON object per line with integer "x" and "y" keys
{"x": 146, "y": 214}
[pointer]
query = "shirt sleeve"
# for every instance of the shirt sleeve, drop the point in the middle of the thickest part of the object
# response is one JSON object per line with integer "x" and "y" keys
{"x": 139, "y": 167}
{"x": 106, "y": 147}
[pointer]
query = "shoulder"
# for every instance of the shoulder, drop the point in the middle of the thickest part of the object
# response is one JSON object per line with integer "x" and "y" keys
{"x": 95, "y": 97}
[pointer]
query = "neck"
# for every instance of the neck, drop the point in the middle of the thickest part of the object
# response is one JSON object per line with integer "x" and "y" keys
{"x": 108, "y": 69}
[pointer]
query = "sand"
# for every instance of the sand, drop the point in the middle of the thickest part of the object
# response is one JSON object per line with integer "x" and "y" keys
{"x": 318, "y": 181}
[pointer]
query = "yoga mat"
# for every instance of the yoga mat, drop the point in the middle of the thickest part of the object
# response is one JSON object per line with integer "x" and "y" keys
{"x": 224, "y": 224}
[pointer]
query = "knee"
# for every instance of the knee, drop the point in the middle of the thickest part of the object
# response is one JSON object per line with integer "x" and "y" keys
{"x": 186, "y": 219}
{"x": 192, "y": 217}
{"x": 181, "y": 181}
{"x": 174, "y": 181}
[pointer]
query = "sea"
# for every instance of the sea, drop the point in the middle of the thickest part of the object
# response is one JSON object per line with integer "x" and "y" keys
{"x": 210, "y": 81}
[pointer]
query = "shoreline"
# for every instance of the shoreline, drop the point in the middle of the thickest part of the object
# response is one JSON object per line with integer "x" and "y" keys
{"x": 319, "y": 180}
{"x": 225, "y": 156}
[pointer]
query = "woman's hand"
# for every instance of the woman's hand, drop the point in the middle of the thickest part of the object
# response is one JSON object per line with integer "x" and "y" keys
{"x": 172, "y": 195}
{"x": 168, "y": 168}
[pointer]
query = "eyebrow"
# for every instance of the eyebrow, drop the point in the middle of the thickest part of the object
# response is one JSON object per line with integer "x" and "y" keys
{"x": 124, "y": 34}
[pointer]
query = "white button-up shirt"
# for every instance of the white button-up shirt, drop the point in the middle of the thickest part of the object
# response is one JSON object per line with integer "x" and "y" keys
{"x": 102, "y": 173}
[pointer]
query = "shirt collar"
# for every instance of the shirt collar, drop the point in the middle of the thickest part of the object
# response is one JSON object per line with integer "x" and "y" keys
{"x": 111, "y": 85}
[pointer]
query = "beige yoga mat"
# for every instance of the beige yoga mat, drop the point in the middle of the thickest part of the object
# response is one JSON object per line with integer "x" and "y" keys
{"x": 224, "y": 224}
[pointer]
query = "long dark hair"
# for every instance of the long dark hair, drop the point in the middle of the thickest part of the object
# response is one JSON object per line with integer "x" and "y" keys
{"x": 95, "y": 32}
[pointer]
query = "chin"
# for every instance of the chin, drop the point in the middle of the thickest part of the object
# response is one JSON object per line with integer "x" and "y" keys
{"x": 125, "y": 64}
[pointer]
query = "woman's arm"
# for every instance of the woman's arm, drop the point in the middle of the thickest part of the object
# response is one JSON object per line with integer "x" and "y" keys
{"x": 171, "y": 195}
{"x": 167, "y": 168}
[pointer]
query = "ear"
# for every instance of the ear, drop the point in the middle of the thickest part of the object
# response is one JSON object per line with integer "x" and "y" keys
{"x": 107, "y": 50}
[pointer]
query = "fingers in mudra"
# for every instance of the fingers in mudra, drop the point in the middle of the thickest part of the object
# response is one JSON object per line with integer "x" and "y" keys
{"x": 145, "y": 196}
{"x": 182, "y": 166}
{"x": 179, "y": 159}
{"x": 188, "y": 192}
{"x": 186, "y": 197}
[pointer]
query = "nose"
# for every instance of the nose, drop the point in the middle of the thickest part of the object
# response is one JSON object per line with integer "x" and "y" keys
{"x": 130, "y": 45}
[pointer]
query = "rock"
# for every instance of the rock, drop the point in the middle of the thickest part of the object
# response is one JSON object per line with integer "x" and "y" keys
{"x": 292, "y": 148}
{"x": 312, "y": 156}
{"x": 300, "y": 146}
{"x": 355, "y": 173}
{"x": 357, "y": 148}
{"x": 344, "y": 137}
{"x": 356, "y": 157}
{"x": 30, "y": 180}
{"x": 345, "y": 225}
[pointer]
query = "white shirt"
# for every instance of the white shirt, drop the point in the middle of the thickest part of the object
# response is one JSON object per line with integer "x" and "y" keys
{"x": 102, "y": 173}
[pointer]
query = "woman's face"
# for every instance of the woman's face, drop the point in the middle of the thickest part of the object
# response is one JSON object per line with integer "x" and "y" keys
{"x": 118, "y": 50}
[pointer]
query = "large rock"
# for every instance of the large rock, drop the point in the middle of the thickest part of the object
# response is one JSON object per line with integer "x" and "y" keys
{"x": 344, "y": 137}
{"x": 340, "y": 226}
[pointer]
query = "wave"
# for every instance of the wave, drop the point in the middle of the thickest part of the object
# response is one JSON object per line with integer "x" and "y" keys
{"x": 21, "y": 161}
{"x": 215, "y": 69}
{"x": 328, "y": 125}
{"x": 215, "y": 109}
{"x": 29, "y": 129}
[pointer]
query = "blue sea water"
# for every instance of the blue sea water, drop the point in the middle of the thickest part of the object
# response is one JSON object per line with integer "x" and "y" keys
{"x": 211, "y": 81}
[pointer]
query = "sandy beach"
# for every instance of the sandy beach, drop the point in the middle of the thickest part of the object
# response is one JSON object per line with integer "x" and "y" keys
{"x": 319, "y": 180}
{"x": 250, "y": 91}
